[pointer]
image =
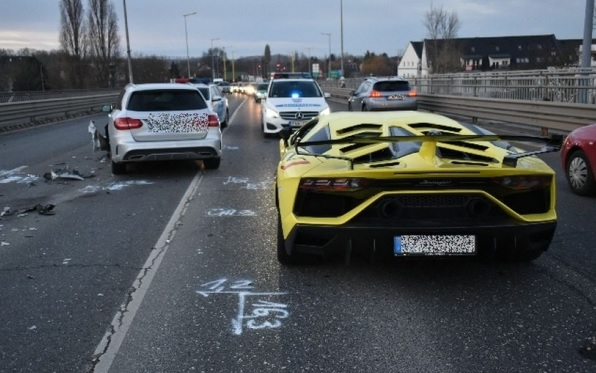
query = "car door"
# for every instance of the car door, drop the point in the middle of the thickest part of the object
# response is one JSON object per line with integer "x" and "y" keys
{"x": 217, "y": 102}
{"x": 356, "y": 97}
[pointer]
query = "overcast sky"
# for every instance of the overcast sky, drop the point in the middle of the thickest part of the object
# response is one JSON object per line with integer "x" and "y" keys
{"x": 244, "y": 27}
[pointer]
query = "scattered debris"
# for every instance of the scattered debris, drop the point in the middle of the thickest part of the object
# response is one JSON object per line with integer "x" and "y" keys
{"x": 66, "y": 175}
{"x": 99, "y": 141}
{"x": 588, "y": 351}
{"x": 41, "y": 210}
{"x": 44, "y": 209}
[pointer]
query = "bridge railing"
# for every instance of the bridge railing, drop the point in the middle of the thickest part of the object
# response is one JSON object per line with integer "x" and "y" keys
{"x": 560, "y": 100}
{"x": 573, "y": 85}
{"x": 557, "y": 100}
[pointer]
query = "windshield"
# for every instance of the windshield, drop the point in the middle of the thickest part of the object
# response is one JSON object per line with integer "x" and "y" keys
{"x": 166, "y": 100}
{"x": 294, "y": 89}
{"x": 392, "y": 86}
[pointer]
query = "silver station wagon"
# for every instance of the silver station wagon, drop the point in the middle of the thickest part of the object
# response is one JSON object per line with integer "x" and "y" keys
{"x": 162, "y": 121}
{"x": 379, "y": 94}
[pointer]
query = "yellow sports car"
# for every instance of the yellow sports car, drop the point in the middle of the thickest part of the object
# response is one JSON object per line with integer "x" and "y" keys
{"x": 411, "y": 184}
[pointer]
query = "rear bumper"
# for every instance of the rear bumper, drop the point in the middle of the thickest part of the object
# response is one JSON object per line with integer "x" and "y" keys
{"x": 381, "y": 105}
{"x": 327, "y": 240}
{"x": 175, "y": 150}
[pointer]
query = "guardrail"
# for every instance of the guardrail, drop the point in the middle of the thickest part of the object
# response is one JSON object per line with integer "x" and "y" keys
{"x": 543, "y": 115}
{"x": 28, "y": 113}
{"x": 18, "y": 96}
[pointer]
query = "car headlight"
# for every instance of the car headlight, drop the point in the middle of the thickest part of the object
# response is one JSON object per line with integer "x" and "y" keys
{"x": 270, "y": 113}
{"x": 325, "y": 112}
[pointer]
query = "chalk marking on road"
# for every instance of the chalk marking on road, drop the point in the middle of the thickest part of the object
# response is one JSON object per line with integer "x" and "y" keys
{"x": 245, "y": 183}
{"x": 108, "y": 348}
{"x": 14, "y": 176}
{"x": 264, "y": 314}
{"x": 219, "y": 212}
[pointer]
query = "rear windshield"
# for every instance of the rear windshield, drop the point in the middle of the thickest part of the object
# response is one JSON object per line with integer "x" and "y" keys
{"x": 294, "y": 89}
{"x": 166, "y": 100}
{"x": 205, "y": 92}
{"x": 392, "y": 86}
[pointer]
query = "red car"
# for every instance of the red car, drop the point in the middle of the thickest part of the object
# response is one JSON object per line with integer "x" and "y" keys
{"x": 578, "y": 157}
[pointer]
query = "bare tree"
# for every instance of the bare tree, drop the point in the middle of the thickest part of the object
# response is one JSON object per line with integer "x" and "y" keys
{"x": 72, "y": 39}
{"x": 104, "y": 40}
{"x": 442, "y": 30}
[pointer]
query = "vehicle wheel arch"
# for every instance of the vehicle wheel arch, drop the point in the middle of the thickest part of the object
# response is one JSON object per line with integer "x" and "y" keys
{"x": 589, "y": 187}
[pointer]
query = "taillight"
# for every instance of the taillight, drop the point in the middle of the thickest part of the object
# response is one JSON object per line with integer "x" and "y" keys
{"x": 412, "y": 93}
{"x": 127, "y": 123}
{"x": 375, "y": 94}
{"x": 523, "y": 182}
{"x": 213, "y": 121}
{"x": 334, "y": 185}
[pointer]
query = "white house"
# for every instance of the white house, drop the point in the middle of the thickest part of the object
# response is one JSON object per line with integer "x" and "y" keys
{"x": 411, "y": 62}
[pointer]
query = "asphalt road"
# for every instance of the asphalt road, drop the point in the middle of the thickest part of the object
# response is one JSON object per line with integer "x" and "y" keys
{"x": 170, "y": 270}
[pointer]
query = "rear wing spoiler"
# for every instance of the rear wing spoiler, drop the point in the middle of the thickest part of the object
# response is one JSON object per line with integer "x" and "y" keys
{"x": 429, "y": 142}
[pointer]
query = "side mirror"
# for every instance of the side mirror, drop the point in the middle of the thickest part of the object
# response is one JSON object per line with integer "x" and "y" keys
{"x": 107, "y": 108}
{"x": 327, "y": 95}
{"x": 285, "y": 134}
{"x": 216, "y": 98}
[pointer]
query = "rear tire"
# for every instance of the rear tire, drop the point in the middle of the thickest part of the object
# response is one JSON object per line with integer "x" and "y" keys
{"x": 224, "y": 124}
{"x": 578, "y": 173}
{"x": 118, "y": 168}
{"x": 212, "y": 163}
{"x": 282, "y": 255}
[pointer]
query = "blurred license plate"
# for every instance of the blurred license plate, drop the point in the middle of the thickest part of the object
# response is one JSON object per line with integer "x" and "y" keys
{"x": 434, "y": 245}
{"x": 296, "y": 123}
{"x": 395, "y": 97}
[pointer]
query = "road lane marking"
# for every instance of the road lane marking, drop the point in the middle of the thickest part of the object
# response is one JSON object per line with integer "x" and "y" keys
{"x": 231, "y": 120}
{"x": 108, "y": 348}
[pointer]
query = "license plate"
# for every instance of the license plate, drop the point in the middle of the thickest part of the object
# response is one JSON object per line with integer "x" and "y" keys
{"x": 296, "y": 123}
{"x": 395, "y": 97}
{"x": 434, "y": 245}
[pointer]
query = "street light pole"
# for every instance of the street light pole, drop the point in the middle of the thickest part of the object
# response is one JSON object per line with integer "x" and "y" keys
{"x": 329, "y": 64}
{"x": 341, "y": 20}
{"x": 130, "y": 80}
{"x": 225, "y": 74}
{"x": 186, "y": 34}
{"x": 212, "y": 60}
{"x": 233, "y": 67}
{"x": 309, "y": 62}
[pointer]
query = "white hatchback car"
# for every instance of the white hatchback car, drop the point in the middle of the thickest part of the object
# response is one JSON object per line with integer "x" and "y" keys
{"x": 162, "y": 121}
